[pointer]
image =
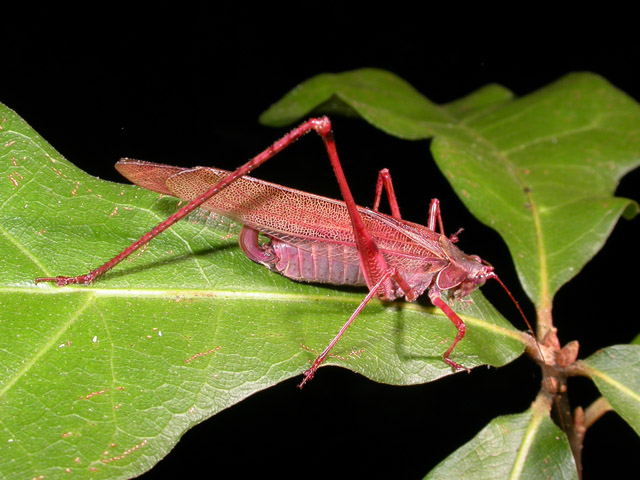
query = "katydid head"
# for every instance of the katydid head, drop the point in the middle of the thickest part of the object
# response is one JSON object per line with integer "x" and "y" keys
{"x": 465, "y": 273}
{"x": 478, "y": 271}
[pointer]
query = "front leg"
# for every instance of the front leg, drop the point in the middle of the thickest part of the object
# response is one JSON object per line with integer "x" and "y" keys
{"x": 435, "y": 298}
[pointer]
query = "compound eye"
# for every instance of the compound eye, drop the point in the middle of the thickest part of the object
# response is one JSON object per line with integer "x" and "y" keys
{"x": 480, "y": 279}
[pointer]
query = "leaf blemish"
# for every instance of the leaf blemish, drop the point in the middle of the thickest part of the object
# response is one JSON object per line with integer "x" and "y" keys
{"x": 202, "y": 354}
{"x": 58, "y": 172}
{"x": 93, "y": 394}
{"x": 125, "y": 453}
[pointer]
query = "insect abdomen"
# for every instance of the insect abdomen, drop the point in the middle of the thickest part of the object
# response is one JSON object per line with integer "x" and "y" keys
{"x": 318, "y": 262}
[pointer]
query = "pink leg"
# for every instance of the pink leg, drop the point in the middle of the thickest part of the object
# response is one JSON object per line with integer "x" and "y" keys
{"x": 372, "y": 263}
{"x": 434, "y": 295}
{"x": 317, "y": 124}
{"x": 457, "y": 321}
{"x": 384, "y": 181}
{"x": 308, "y": 374}
{"x": 434, "y": 216}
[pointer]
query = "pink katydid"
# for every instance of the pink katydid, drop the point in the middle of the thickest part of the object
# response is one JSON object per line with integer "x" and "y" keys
{"x": 318, "y": 239}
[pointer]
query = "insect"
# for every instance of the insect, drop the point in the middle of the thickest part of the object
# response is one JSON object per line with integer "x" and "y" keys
{"x": 317, "y": 239}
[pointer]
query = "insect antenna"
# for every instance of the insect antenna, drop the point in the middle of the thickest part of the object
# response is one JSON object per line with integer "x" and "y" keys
{"x": 495, "y": 277}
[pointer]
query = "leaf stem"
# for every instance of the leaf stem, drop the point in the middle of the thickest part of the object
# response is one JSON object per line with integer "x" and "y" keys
{"x": 595, "y": 411}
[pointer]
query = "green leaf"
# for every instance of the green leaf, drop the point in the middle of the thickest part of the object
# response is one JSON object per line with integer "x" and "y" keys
{"x": 615, "y": 371}
{"x": 521, "y": 446}
{"x": 381, "y": 98}
{"x": 541, "y": 169}
{"x": 106, "y": 378}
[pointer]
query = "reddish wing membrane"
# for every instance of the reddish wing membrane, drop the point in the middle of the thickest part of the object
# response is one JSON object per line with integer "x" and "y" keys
{"x": 295, "y": 217}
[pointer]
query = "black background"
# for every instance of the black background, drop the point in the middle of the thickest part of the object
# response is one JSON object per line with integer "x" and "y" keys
{"x": 184, "y": 83}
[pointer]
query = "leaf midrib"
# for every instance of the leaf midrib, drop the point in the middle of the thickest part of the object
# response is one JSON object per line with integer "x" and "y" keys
{"x": 535, "y": 212}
